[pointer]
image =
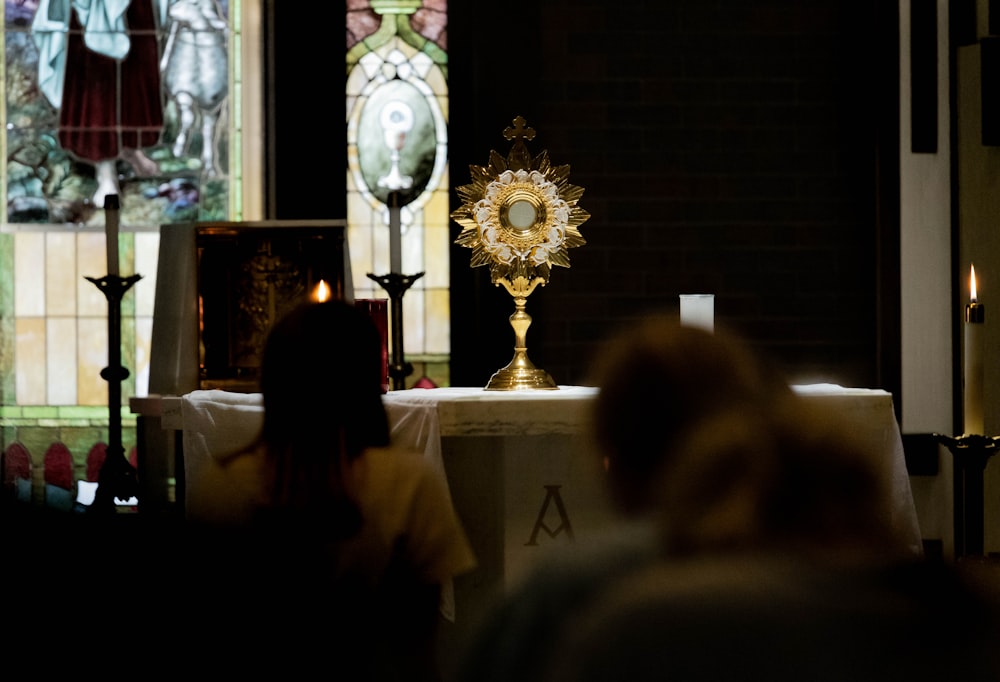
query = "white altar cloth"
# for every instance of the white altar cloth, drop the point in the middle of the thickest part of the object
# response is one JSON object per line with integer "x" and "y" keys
{"x": 871, "y": 413}
{"x": 216, "y": 422}
{"x": 422, "y": 417}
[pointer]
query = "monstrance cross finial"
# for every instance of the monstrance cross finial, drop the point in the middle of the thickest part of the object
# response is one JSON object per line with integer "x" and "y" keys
{"x": 519, "y": 131}
{"x": 518, "y": 157}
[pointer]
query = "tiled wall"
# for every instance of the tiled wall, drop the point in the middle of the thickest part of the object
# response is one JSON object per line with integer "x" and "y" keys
{"x": 55, "y": 338}
{"x": 60, "y": 319}
{"x": 724, "y": 147}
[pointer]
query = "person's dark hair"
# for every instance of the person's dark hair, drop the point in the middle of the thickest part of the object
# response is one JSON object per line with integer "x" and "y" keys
{"x": 787, "y": 477}
{"x": 698, "y": 429}
{"x": 657, "y": 379}
{"x": 322, "y": 388}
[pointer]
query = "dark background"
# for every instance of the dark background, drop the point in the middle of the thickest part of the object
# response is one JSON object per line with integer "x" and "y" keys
{"x": 745, "y": 149}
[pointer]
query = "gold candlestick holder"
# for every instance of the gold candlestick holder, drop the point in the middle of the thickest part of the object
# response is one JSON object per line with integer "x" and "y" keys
{"x": 519, "y": 216}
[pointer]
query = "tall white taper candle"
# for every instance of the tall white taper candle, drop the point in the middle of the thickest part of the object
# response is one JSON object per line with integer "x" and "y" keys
{"x": 111, "y": 207}
{"x": 972, "y": 406}
{"x": 395, "y": 235}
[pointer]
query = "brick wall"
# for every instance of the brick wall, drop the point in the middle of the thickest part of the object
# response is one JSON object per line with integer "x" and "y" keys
{"x": 725, "y": 147}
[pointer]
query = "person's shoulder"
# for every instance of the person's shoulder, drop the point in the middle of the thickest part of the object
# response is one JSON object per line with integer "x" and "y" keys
{"x": 672, "y": 615}
{"x": 394, "y": 455}
{"x": 394, "y": 461}
{"x": 400, "y": 472}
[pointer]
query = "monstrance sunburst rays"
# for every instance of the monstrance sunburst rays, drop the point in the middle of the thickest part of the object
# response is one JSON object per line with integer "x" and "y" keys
{"x": 519, "y": 215}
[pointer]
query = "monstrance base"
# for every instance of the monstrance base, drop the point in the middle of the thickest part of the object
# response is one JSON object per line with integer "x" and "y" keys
{"x": 512, "y": 378}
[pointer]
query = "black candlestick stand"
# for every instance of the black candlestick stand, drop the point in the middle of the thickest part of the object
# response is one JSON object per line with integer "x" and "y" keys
{"x": 396, "y": 285}
{"x": 971, "y": 454}
{"x": 118, "y": 477}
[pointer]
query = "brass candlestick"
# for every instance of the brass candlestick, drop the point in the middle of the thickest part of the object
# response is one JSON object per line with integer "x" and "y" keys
{"x": 519, "y": 216}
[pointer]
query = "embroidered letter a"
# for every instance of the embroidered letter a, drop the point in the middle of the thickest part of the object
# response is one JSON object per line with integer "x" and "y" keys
{"x": 551, "y": 495}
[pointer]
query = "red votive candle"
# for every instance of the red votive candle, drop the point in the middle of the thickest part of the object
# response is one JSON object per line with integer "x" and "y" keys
{"x": 378, "y": 311}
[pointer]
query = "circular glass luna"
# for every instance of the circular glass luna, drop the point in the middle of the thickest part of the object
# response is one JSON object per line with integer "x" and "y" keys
{"x": 521, "y": 215}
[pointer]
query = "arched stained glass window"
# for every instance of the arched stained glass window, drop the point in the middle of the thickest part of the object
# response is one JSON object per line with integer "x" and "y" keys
{"x": 397, "y": 128}
{"x": 130, "y": 97}
{"x": 148, "y": 99}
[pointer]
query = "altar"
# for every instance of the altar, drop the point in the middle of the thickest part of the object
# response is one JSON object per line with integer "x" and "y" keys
{"x": 526, "y": 481}
{"x": 523, "y": 475}
{"x": 520, "y": 468}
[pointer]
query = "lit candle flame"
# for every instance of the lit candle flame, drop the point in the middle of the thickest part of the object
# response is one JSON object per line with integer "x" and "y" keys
{"x": 972, "y": 283}
{"x": 322, "y": 292}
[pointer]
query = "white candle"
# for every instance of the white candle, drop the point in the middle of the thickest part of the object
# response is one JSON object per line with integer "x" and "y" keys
{"x": 395, "y": 236}
{"x": 972, "y": 406}
{"x": 698, "y": 310}
{"x": 111, "y": 231}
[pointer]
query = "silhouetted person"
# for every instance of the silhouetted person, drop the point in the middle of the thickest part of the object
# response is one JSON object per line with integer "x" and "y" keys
{"x": 351, "y": 538}
{"x": 757, "y": 541}
{"x": 780, "y": 562}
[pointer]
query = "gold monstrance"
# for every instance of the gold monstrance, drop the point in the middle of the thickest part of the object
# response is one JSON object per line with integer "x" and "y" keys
{"x": 519, "y": 216}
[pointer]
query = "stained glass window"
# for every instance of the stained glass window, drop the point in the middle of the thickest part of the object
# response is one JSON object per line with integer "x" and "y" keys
{"x": 397, "y": 136}
{"x": 126, "y": 97}
{"x": 146, "y": 99}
